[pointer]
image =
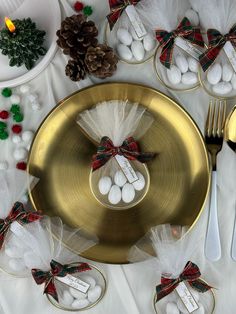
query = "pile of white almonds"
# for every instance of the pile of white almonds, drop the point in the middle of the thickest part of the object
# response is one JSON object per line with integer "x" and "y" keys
{"x": 131, "y": 47}
{"x": 118, "y": 189}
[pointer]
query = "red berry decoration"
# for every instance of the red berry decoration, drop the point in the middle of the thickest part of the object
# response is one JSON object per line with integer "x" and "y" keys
{"x": 78, "y": 6}
{"x": 4, "y": 114}
{"x": 21, "y": 165}
{"x": 16, "y": 128}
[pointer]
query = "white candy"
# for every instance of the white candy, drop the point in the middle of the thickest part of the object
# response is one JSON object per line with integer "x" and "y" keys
{"x": 32, "y": 97}
{"x": 182, "y": 307}
{"x": 140, "y": 183}
{"x": 119, "y": 178}
{"x": 171, "y": 308}
{"x": 193, "y": 17}
{"x": 222, "y": 88}
{"x": 20, "y": 153}
{"x": 137, "y": 50}
{"x": 201, "y": 309}
{"x": 124, "y": 52}
{"x": 124, "y": 36}
{"x": 233, "y": 81}
{"x": 148, "y": 42}
{"x": 31, "y": 259}
{"x": 174, "y": 75}
{"x": 36, "y": 106}
{"x": 114, "y": 196}
{"x": 214, "y": 74}
{"x": 189, "y": 78}
{"x": 134, "y": 35}
{"x": 27, "y": 136}
{"x": 16, "y": 138}
{"x": 15, "y": 99}
{"x": 192, "y": 64}
{"x": 14, "y": 251}
{"x": 17, "y": 264}
{"x": 90, "y": 280}
{"x": 24, "y": 89}
{"x": 77, "y": 294}
{"x": 94, "y": 294}
{"x": 3, "y": 165}
{"x": 104, "y": 185}
{"x": 128, "y": 193}
{"x": 181, "y": 63}
{"x": 67, "y": 298}
{"x": 80, "y": 304}
{"x": 227, "y": 72}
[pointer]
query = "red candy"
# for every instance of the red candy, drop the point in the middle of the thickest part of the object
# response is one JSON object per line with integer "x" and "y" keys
{"x": 21, "y": 165}
{"x": 4, "y": 114}
{"x": 16, "y": 128}
{"x": 78, "y": 6}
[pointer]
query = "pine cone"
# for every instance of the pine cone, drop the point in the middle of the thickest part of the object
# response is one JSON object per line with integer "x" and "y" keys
{"x": 76, "y": 35}
{"x": 76, "y": 70}
{"x": 25, "y": 45}
{"x": 101, "y": 61}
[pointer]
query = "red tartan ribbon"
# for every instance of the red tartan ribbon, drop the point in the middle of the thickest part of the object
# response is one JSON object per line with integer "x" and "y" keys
{"x": 191, "y": 274}
{"x": 167, "y": 39}
{"x": 19, "y": 214}
{"x": 129, "y": 149}
{"x": 116, "y": 9}
{"x": 216, "y": 42}
{"x": 57, "y": 270}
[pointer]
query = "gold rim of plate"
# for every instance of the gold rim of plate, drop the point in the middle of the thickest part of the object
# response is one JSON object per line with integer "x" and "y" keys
{"x": 60, "y": 157}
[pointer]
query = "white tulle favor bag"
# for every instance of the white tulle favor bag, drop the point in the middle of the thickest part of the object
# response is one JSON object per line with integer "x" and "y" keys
{"x": 180, "y": 43}
{"x": 128, "y": 31}
{"x": 119, "y": 177}
{"x": 13, "y": 187}
{"x": 68, "y": 281}
{"x": 218, "y": 62}
{"x": 180, "y": 288}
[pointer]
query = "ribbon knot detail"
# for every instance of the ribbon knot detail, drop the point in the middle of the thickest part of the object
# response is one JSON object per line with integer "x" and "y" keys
{"x": 129, "y": 149}
{"x": 190, "y": 274}
{"x": 116, "y": 9}
{"x": 57, "y": 270}
{"x": 167, "y": 39}
{"x": 216, "y": 42}
{"x": 19, "y": 214}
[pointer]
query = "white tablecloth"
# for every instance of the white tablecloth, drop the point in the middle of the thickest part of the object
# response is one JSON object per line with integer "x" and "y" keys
{"x": 130, "y": 287}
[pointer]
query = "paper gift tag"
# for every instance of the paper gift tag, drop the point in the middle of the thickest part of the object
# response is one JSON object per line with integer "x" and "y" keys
{"x": 186, "y": 297}
{"x": 126, "y": 168}
{"x": 191, "y": 49}
{"x": 231, "y": 54}
{"x": 135, "y": 21}
{"x": 74, "y": 282}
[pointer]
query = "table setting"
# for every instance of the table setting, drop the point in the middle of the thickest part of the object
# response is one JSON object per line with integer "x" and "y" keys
{"x": 117, "y": 159}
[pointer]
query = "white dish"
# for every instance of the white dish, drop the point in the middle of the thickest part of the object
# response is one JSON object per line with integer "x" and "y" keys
{"x": 47, "y": 16}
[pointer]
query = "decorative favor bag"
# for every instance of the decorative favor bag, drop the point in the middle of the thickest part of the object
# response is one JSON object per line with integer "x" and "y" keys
{"x": 128, "y": 32}
{"x": 119, "y": 178}
{"x": 180, "y": 43}
{"x": 180, "y": 288}
{"x": 218, "y": 62}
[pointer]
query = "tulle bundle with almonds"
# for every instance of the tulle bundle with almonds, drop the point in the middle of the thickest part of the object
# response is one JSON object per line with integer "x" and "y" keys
{"x": 119, "y": 177}
{"x": 180, "y": 288}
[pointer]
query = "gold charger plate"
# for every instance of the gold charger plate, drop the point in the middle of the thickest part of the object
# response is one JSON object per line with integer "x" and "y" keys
{"x": 60, "y": 157}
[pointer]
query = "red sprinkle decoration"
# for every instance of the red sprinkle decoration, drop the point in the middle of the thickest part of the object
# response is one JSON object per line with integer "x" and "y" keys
{"x": 4, "y": 114}
{"x": 16, "y": 128}
{"x": 78, "y": 6}
{"x": 21, "y": 165}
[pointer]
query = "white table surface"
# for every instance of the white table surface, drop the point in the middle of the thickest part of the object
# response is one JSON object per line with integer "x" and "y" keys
{"x": 130, "y": 287}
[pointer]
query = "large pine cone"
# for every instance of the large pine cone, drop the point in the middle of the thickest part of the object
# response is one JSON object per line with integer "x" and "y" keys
{"x": 76, "y": 70}
{"x": 76, "y": 35}
{"x": 101, "y": 61}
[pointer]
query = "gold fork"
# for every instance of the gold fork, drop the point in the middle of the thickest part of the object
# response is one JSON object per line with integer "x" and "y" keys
{"x": 214, "y": 141}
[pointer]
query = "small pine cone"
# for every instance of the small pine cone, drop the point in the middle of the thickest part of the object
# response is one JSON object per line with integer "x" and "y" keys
{"x": 75, "y": 69}
{"x": 101, "y": 61}
{"x": 76, "y": 35}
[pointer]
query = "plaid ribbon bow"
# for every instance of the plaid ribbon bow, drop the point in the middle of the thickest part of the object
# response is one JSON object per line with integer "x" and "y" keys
{"x": 57, "y": 270}
{"x": 129, "y": 149}
{"x": 117, "y": 7}
{"x": 216, "y": 43}
{"x": 167, "y": 39}
{"x": 19, "y": 214}
{"x": 191, "y": 274}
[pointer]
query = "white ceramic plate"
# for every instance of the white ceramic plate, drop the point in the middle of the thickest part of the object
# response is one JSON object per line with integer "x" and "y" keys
{"x": 47, "y": 16}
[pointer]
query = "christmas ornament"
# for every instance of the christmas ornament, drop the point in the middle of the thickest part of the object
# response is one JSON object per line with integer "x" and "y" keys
{"x": 75, "y": 69}
{"x": 15, "y": 109}
{"x": 16, "y": 139}
{"x": 21, "y": 165}
{"x": 20, "y": 154}
{"x": 3, "y": 132}
{"x": 6, "y": 92}
{"x": 78, "y": 6}
{"x": 15, "y": 99}
{"x": 16, "y": 128}
{"x": 4, "y": 114}
{"x": 18, "y": 117}
{"x": 87, "y": 10}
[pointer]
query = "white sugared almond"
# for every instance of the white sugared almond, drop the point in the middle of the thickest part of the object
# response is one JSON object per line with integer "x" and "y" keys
{"x": 77, "y": 294}
{"x": 119, "y": 178}
{"x": 140, "y": 183}
{"x": 104, "y": 185}
{"x": 67, "y": 298}
{"x": 148, "y": 42}
{"x": 137, "y": 50}
{"x": 174, "y": 75}
{"x": 214, "y": 74}
{"x": 181, "y": 63}
{"x": 192, "y": 64}
{"x": 124, "y": 36}
{"x": 222, "y": 88}
{"x": 94, "y": 294}
{"x": 189, "y": 78}
{"x": 124, "y": 52}
{"x": 80, "y": 304}
{"x": 227, "y": 72}
{"x": 233, "y": 81}
{"x": 114, "y": 196}
{"x": 128, "y": 193}
{"x": 89, "y": 279}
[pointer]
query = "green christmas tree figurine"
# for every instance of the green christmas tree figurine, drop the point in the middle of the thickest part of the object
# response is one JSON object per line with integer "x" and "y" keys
{"x": 23, "y": 43}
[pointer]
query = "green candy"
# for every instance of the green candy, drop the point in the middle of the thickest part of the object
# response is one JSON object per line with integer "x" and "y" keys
{"x": 6, "y": 92}
{"x": 18, "y": 117}
{"x": 15, "y": 108}
{"x": 3, "y": 125}
{"x": 87, "y": 10}
{"x": 3, "y": 135}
